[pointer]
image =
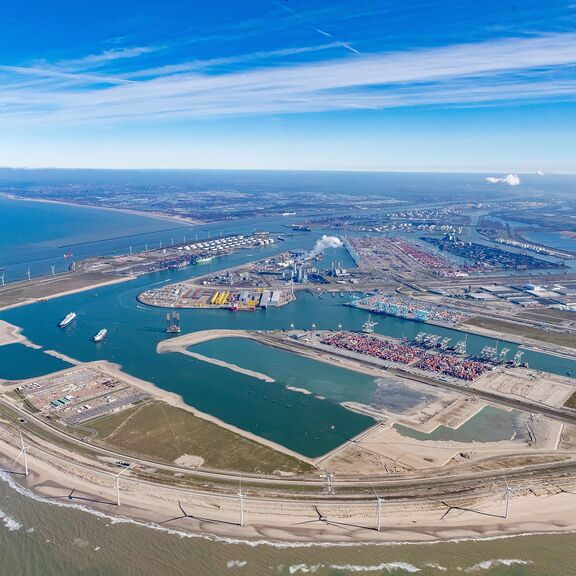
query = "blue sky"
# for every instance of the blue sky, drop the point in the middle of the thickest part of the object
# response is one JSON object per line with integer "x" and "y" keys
{"x": 299, "y": 84}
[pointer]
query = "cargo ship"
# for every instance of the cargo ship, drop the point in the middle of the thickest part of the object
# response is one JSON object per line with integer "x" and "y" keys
{"x": 68, "y": 320}
{"x": 101, "y": 335}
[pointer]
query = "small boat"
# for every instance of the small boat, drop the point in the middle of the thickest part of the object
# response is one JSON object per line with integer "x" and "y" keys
{"x": 68, "y": 319}
{"x": 101, "y": 335}
{"x": 204, "y": 259}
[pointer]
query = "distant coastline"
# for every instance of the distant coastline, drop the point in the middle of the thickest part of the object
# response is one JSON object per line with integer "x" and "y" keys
{"x": 155, "y": 215}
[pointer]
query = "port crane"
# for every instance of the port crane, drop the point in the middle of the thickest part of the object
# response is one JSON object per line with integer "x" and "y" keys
{"x": 368, "y": 326}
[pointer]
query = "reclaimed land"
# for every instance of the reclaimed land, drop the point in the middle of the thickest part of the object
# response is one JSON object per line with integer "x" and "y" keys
{"x": 27, "y": 292}
{"x": 167, "y": 433}
{"x": 522, "y": 330}
{"x": 550, "y": 315}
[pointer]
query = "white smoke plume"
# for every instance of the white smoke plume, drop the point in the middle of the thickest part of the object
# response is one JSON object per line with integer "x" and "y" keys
{"x": 324, "y": 243}
{"x": 510, "y": 180}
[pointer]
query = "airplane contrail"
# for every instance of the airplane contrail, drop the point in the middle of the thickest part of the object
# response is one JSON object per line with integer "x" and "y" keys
{"x": 306, "y": 21}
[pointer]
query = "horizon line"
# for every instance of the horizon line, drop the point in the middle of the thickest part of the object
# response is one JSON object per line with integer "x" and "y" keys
{"x": 348, "y": 170}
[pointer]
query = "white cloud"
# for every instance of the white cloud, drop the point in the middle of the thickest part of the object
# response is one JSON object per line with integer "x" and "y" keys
{"x": 465, "y": 74}
{"x": 510, "y": 180}
{"x": 105, "y": 57}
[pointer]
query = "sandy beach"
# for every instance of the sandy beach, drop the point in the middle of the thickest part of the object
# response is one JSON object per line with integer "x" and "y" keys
{"x": 156, "y": 215}
{"x": 181, "y": 343}
{"x": 312, "y": 521}
{"x": 228, "y": 365}
{"x": 10, "y": 334}
{"x": 76, "y": 477}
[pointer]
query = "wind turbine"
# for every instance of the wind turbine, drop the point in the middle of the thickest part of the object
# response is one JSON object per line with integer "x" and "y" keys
{"x": 53, "y": 269}
{"x": 130, "y": 249}
{"x": 2, "y": 278}
{"x": 507, "y": 492}
{"x": 24, "y": 451}
{"x": 291, "y": 325}
{"x": 118, "y": 482}
{"x": 378, "y": 509}
{"x": 28, "y": 274}
{"x": 241, "y": 503}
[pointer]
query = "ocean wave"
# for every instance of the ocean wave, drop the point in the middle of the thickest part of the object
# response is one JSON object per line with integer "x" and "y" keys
{"x": 114, "y": 519}
{"x": 488, "y": 564}
{"x": 389, "y": 567}
{"x": 236, "y": 563}
{"x": 9, "y": 522}
{"x": 303, "y": 568}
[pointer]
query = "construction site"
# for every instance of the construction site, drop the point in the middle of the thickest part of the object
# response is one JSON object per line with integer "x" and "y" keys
{"x": 187, "y": 295}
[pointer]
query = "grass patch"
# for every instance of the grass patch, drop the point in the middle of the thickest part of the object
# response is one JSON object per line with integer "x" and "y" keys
{"x": 527, "y": 331}
{"x": 547, "y": 315}
{"x": 163, "y": 432}
{"x": 571, "y": 402}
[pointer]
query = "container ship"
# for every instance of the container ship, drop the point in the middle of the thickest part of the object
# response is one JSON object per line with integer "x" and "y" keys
{"x": 68, "y": 320}
{"x": 101, "y": 335}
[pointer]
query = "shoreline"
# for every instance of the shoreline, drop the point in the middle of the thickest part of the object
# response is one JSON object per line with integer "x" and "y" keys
{"x": 10, "y": 334}
{"x": 153, "y": 215}
{"x": 66, "y": 292}
{"x": 416, "y": 519}
{"x": 229, "y": 366}
{"x": 275, "y": 523}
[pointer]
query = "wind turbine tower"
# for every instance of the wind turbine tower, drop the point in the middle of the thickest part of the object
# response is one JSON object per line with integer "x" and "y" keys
{"x": 241, "y": 503}
{"x": 23, "y": 451}
{"x": 507, "y": 493}
{"x": 118, "y": 483}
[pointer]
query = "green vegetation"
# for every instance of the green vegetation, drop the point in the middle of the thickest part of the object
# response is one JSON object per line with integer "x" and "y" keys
{"x": 520, "y": 330}
{"x": 548, "y": 315}
{"x": 571, "y": 402}
{"x": 160, "y": 431}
